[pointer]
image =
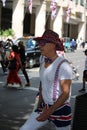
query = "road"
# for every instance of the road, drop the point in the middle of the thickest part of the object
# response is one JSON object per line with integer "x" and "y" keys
{"x": 16, "y": 105}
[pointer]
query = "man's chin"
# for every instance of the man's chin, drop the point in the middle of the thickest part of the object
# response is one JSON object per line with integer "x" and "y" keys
{"x": 42, "y": 53}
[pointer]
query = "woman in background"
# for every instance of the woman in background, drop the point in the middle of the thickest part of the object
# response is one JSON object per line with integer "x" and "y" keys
{"x": 14, "y": 64}
{"x": 21, "y": 48}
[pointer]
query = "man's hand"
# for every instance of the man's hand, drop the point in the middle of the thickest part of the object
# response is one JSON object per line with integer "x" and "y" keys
{"x": 44, "y": 115}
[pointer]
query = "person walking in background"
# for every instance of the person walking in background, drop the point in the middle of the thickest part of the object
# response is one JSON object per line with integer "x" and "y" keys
{"x": 21, "y": 48}
{"x": 79, "y": 42}
{"x": 73, "y": 45}
{"x": 84, "y": 73}
{"x": 2, "y": 57}
{"x": 7, "y": 47}
{"x": 14, "y": 63}
{"x": 55, "y": 86}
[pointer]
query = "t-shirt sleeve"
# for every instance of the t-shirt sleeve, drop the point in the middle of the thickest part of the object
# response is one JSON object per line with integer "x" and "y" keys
{"x": 65, "y": 71}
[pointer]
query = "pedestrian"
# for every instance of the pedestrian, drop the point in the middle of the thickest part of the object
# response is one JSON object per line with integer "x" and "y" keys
{"x": 55, "y": 86}
{"x": 7, "y": 47}
{"x": 73, "y": 44}
{"x": 8, "y": 43}
{"x": 2, "y": 57}
{"x": 23, "y": 61}
{"x": 14, "y": 63}
{"x": 84, "y": 73}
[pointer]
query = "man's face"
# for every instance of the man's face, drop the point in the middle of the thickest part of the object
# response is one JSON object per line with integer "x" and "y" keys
{"x": 47, "y": 48}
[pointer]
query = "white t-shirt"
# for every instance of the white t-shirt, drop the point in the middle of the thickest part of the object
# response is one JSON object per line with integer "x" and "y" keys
{"x": 47, "y": 79}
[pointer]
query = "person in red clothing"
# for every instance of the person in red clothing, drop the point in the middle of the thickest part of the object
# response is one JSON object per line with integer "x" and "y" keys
{"x": 14, "y": 64}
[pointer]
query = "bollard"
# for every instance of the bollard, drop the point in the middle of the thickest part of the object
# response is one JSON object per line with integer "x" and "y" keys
{"x": 80, "y": 113}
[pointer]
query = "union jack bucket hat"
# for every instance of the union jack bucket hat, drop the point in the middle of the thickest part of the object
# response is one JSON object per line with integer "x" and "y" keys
{"x": 50, "y": 36}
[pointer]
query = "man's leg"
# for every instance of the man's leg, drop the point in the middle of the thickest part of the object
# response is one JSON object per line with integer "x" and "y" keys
{"x": 83, "y": 87}
{"x": 3, "y": 66}
{"x": 26, "y": 76}
{"x": 84, "y": 84}
{"x": 32, "y": 123}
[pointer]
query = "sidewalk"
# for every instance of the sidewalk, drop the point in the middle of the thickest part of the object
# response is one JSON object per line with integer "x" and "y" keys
{"x": 15, "y": 108}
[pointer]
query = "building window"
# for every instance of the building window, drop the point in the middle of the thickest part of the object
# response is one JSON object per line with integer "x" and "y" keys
{"x": 86, "y": 5}
{"x": 82, "y": 2}
{"x": 76, "y": 1}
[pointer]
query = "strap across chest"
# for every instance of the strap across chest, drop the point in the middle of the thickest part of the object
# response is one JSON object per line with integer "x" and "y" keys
{"x": 56, "y": 79}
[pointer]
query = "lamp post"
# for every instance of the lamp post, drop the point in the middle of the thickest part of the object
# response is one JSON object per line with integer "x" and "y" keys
{"x": 85, "y": 20}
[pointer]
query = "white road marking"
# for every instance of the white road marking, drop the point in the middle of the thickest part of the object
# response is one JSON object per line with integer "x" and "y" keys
{"x": 31, "y": 88}
{"x": 74, "y": 96}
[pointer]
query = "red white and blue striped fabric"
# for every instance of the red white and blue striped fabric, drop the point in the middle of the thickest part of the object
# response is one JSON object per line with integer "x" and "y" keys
{"x": 61, "y": 117}
{"x": 56, "y": 79}
{"x": 68, "y": 12}
{"x": 53, "y": 8}
{"x": 3, "y": 1}
{"x": 30, "y": 6}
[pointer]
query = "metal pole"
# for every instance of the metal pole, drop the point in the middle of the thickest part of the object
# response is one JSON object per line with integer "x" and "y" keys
{"x": 85, "y": 20}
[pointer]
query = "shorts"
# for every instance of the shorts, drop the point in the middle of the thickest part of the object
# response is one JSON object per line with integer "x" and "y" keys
{"x": 61, "y": 117}
{"x": 85, "y": 74}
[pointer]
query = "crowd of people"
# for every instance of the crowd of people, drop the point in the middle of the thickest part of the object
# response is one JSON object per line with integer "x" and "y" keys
{"x": 5, "y": 49}
{"x": 74, "y": 44}
{"x": 12, "y": 59}
{"x": 2, "y": 57}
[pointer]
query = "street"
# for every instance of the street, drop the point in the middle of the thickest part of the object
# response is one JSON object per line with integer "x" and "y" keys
{"x": 16, "y": 105}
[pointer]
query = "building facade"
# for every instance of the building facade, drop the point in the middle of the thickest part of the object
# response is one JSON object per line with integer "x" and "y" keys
{"x": 23, "y": 23}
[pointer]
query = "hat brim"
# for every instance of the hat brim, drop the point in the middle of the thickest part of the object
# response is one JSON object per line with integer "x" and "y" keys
{"x": 45, "y": 40}
{"x": 41, "y": 40}
{"x": 37, "y": 38}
